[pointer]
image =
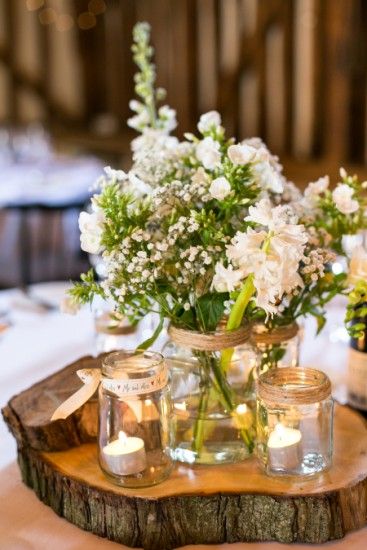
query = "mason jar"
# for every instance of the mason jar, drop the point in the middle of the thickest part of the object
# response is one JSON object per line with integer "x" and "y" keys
{"x": 214, "y": 407}
{"x": 294, "y": 421}
{"x": 273, "y": 348}
{"x": 110, "y": 331}
{"x": 135, "y": 419}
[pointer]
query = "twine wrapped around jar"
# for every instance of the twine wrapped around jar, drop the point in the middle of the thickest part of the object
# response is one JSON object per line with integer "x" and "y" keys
{"x": 209, "y": 341}
{"x": 294, "y": 386}
{"x": 261, "y": 335}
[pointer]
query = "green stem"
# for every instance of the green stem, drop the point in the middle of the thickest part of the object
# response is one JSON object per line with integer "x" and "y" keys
{"x": 236, "y": 315}
{"x": 239, "y": 308}
{"x": 197, "y": 443}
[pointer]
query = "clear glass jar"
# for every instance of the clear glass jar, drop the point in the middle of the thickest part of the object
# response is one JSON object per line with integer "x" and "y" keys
{"x": 294, "y": 421}
{"x": 214, "y": 412}
{"x": 275, "y": 348}
{"x": 135, "y": 419}
{"x": 110, "y": 331}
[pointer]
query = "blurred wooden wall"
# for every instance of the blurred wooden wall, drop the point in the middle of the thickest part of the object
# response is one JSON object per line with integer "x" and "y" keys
{"x": 292, "y": 71}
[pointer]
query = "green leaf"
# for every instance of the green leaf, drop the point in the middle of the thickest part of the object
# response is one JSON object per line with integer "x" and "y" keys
{"x": 321, "y": 321}
{"x": 210, "y": 309}
{"x": 150, "y": 341}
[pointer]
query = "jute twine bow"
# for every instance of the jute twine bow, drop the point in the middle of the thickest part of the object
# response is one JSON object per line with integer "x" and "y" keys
{"x": 293, "y": 386}
{"x": 209, "y": 341}
{"x": 261, "y": 335}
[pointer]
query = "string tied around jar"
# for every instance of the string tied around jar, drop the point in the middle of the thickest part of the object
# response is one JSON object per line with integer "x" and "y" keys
{"x": 260, "y": 334}
{"x": 294, "y": 386}
{"x": 209, "y": 341}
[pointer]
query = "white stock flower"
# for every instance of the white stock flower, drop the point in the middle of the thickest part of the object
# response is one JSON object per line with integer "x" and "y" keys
{"x": 118, "y": 175}
{"x": 245, "y": 250}
{"x": 208, "y": 152}
{"x": 343, "y": 198}
{"x": 139, "y": 121}
{"x": 220, "y": 188}
{"x": 268, "y": 177}
{"x": 208, "y": 121}
{"x": 69, "y": 305}
{"x": 314, "y": 190}
{"x": 242, "y": 154}
{"x": 226, "y": 279}
{"x": 168, "y": 118}
{"x": 91, "y": 229}
{"x": 272, "y": 256}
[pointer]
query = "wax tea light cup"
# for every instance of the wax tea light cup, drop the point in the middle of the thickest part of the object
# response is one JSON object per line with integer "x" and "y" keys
{"x": 135, "y": 419}
{"x": 294, "y": 421}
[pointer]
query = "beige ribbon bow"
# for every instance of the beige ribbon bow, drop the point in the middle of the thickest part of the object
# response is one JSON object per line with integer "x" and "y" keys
{"x": 127, "y": 389}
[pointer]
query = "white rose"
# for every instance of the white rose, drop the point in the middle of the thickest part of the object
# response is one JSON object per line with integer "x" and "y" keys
{"x": 220, "y": 188}
{"x": 69, "y": 305}
{"x": 343, "y": 198}
{"x": 242, "y": 154}
{"x": 207, "y": 152}
{"x": 91, "y": 229}
{"x": 208, "y": 121}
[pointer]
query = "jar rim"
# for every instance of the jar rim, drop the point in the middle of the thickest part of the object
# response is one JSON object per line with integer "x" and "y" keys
{"x": 260, "y": 334}
{"x": 294, "y": 385}
{"x": 137, "y": 360}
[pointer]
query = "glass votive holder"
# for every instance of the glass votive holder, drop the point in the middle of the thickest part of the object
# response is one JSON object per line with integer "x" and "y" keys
{"x": 275, "y": 348}
{"x": 135, "y": 419}
{"x": 110, "y": 331}
{"x": 294, "y": 421}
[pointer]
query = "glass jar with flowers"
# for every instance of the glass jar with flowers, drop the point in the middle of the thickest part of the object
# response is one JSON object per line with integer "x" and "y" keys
{"x": 206, "y": 233}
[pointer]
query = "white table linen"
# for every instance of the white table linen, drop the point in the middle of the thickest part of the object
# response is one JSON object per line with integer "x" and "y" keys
{"x": 54, "y": 182}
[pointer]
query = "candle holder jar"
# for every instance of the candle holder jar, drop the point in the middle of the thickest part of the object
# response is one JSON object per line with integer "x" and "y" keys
{"x": 278, "y": 347}
{"x": 294, "y": 421}
{"x": 110, "y": 331}
{"x": 135, "y": 419}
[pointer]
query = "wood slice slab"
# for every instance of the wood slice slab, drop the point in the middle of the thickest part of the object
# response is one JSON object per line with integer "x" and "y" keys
{"x": 209, "y": 505}
{"x": 28, "y": 414}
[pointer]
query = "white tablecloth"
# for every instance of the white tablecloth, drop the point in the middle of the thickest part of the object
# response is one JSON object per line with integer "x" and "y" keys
{"x": 55, "y": 182}
{"x": 39, "y": 344}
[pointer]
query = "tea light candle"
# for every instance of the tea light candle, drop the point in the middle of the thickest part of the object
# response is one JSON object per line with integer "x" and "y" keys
{"x": 126, "y": 455}
{"x": 284, "y": 448}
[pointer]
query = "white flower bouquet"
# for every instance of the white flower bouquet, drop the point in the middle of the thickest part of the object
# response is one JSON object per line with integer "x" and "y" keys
{"x": 207, "y": 229}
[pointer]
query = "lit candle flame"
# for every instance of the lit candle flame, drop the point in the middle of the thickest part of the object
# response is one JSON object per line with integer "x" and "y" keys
{"x": 122, "y": 437}
{"x": 241, "y": 409}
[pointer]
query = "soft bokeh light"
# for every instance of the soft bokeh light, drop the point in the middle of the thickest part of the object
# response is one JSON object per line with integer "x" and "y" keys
{"x": 33, "y": 5}
{"x": 47, "y": 16}
{"x": 64, "y": 22}
{"x": 86, "y": 20}
{"x": 97, "y": 6}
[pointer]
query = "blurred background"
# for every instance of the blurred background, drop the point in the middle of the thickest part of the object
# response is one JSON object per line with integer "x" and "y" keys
{"x": 291, "y": 71}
